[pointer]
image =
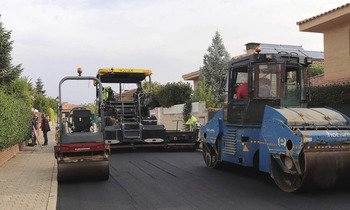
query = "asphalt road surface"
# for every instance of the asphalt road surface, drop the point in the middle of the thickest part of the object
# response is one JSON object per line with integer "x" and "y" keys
{"x": 180, "y": 180}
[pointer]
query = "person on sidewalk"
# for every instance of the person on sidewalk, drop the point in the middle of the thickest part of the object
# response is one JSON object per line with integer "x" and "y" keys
{"x": 35, "y": 122}
{"x": 45, "y": 127}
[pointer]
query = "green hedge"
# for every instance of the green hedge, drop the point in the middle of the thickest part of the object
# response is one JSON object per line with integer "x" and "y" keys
{"x": 173, "y": 93}
{"x": 15, "y": 119}
{"x": 186, "y": 110}
{"x": 329, "y": 95}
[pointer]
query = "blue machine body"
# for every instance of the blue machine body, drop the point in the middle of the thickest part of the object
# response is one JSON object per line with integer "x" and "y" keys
{"x": 265, "y": 124}
{"x": 281, "y": 134}
{"x": 235, "y": 147}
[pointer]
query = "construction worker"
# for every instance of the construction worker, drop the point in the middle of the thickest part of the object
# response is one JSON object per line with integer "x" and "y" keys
{"x": 107, "y": 93}
{"x": 192, "y": 124}
{"x": 139, "y": 87}
{"x": 191, "y": 121}
{"x": 242, "y": 91}
{"x": 138, "y": 90}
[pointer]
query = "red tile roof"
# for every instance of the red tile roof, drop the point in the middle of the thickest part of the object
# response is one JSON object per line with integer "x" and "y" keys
{"x": 316, "y": 80}
{"x": 319, "y": 81}
{"x": 66, "y": 107}
{"x": 211, "y": 109}
{"x": 337, "y": 82}
{"x": 322, "y": 14}
{"x": 128, "y": 93}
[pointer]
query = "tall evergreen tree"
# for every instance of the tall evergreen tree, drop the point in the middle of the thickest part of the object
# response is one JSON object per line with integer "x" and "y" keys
{"x": 15, "y": 112}
{"x": 215, "y": 67}
{"x": 41, "y": 104}
{"x": 8, "y": 72}
{"x": 205, "y": 94}
{"x": 39, "y": 87}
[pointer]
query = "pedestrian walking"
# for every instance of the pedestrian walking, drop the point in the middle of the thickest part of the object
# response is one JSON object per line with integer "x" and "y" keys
{"x": 45, "y": 127}
{"x": 35, "y": 122}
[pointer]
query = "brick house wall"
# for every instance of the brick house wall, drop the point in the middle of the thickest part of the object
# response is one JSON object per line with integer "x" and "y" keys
{"x": 335, "y": 26}
{"x": 8, "y": 153}
{"x": 317, "y": 80}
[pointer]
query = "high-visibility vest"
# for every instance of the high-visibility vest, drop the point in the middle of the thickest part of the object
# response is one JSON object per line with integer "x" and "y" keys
{"x": 105, "y": 92}
{"x": 192, "y": 121}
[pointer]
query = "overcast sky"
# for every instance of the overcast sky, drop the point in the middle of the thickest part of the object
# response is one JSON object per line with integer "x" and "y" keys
{"x": 52, "y": 38}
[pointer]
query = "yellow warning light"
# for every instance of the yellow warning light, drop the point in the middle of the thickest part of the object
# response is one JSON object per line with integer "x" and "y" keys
{"x": 80, "y": 70}
{"x": 258, "y": 49}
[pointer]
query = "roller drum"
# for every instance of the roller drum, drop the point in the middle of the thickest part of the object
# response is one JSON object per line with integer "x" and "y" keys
{"x": 81, "y": 171}
{"x": 325, "y": 169}
{"x": 322, "y": 169}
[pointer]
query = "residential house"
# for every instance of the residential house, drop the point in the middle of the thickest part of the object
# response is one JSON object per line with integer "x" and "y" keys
{"x": 335, "y": 27}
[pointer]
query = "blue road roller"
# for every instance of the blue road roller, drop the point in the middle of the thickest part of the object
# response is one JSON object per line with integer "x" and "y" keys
{"x": 270, "y": 127}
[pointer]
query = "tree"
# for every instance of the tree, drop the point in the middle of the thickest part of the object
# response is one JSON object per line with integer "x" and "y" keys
{"x": 91, "y": 108}
{"x": 41, "y": 104}
{"x": 39, "y": 87}
{"x": 186, "y": 110}
{"x": 15, "y": 107}
{"x": 156, "y": 86}
{"x": 44, "y": 104}
{"x": 52, "y": 104}
{"x": 315, "y": 69}
{"x": 215, "y": 67}
{"x": 173, "y": 93}
{"x": 205, "y": 94}
{"x": 15, "y": 118}
{"x": 20, "y": 88}
{"x": 51, "y": 114}
{"x": 8, "y": 72}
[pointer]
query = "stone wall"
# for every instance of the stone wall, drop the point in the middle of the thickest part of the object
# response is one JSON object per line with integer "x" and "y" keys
{"x": 8, "y": 153}
{"x": 172, "y": 117}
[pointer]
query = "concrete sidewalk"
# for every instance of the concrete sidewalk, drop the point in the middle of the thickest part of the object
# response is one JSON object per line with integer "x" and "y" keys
{"x": 29, "y": 180}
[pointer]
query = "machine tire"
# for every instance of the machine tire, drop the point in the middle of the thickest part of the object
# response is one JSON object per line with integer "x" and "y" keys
{"x": 210, "y": 159}
{"x": 285, "y": 181}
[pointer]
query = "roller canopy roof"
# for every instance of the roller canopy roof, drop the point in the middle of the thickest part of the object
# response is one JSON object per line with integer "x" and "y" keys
{"x": 111, "y": 75}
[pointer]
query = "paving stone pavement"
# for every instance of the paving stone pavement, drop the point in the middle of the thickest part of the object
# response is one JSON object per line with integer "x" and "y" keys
{"x": 29, "y": 180}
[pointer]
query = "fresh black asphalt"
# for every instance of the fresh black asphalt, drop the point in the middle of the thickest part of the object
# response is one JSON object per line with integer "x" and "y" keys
{"x": 180, "y": 180}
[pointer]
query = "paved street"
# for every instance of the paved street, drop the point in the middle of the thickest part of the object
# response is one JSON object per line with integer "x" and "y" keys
{"x": 180, "y": 180}
{"x": 28, "y": 181}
